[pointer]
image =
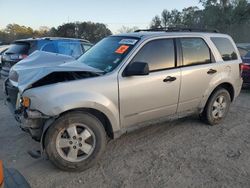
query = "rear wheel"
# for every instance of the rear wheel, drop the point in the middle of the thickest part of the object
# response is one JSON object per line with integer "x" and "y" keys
{"x": 217, "y": 107}
{"x": 75, "y": 141}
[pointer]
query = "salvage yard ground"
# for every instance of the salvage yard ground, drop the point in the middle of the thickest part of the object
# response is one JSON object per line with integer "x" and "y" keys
{"x": 177, "y": 153}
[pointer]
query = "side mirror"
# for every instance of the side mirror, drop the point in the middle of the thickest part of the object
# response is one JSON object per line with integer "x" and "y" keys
{"x": 137, "y": 69}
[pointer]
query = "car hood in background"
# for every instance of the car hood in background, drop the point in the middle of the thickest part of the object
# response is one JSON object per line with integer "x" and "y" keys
{"x": 40, "y": 64}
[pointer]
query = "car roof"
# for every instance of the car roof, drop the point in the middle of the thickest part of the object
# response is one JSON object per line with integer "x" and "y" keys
{"x": 52, "y": 39}
{"x": 152, "y": 34}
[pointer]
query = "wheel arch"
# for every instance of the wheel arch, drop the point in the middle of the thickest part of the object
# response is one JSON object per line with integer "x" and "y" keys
{"x": 97, "y": 113}
{"x": 226, "y": 85}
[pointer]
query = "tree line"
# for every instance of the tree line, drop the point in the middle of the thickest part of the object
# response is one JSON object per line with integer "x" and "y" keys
{"x": 85, "y": 30}
{"x": 227, "y": 16}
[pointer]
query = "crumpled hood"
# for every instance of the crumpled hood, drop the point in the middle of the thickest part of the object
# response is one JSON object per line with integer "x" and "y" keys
{"x": 40, "y": 64}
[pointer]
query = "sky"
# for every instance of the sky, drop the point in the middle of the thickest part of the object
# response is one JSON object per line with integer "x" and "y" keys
{"x": 113, "y": 13}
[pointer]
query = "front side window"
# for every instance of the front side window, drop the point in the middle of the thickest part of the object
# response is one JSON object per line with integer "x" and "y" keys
{"x": 225, "y": 48}
{"x": 107, "y": 54}
{"x": 195, "y": 51}
{"x": 159, "y": 54}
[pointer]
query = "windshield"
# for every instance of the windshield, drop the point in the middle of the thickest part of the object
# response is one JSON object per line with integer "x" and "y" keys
{"x": 107, "y": 54}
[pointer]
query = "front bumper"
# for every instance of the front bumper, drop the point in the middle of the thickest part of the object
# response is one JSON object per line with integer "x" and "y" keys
{"x": 5, "y": 72}
{"x": 31, "y": 121}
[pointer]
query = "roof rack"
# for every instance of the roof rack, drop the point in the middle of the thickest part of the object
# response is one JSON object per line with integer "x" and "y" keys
{"x": 178, "y": 29}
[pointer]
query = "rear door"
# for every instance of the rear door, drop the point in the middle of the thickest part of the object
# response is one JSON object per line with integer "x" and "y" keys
{"x": 149, "y": 97}
{"x": 198, "y": 69}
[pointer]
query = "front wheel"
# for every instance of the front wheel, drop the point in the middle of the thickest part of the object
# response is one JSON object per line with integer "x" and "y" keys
{"x": 75, "y": 141}
{"x": 217, "y": 107}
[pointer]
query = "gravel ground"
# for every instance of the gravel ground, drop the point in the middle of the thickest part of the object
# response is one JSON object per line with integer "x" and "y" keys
{"x": 176, "y": 153}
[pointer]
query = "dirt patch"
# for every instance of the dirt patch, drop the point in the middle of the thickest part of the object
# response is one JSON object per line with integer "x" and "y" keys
{"x": 178, "y": 153}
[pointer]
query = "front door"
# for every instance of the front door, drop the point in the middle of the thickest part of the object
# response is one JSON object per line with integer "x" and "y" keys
{"x": 149, "y": 97}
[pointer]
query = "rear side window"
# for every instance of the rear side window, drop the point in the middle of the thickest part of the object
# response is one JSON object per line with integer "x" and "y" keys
{"x": 86, "y": 47}
{"x": 49, "y": 47}
{"x": 18, "y": 48}
{"x": 70, "y": 48}
{"x": 226, "y": 48}
{"x": 159, "y": 54}
{"x": 195, "y": 51}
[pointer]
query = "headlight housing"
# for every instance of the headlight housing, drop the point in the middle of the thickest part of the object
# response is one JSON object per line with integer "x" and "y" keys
{"x": 25, "y": 101}
{"x": 13, "y": 76}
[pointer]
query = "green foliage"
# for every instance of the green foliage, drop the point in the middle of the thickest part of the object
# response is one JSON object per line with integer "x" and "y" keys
{"x": 156, "y": 22}
{"x": 228, "y": 16}
{"x": 125, "y": 29}
{"x": 86, "y": 30}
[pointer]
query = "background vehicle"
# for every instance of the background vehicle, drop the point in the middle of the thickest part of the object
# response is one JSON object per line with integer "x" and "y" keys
{"x": 121, "y": 83}
{"x": 244, "y": 46}
{"x": 245, "y": 67}
{"x": 2, "y": 50}
{"x": 20, "y": 49}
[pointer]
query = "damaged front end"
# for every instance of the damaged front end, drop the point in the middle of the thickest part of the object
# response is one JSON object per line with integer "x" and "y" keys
{"x": 28, "y": 75}
{"x": 31, "y": 121}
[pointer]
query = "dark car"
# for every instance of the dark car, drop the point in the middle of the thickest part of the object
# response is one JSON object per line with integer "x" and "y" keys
{"x": 20, "y": 49}
{"x": 3, "y": 49}
{"x": 245, "y": 67}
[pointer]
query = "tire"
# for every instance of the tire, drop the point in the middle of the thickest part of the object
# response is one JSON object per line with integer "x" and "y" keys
{"x": 215, "y": 111}
{"x": 79, "y": 152}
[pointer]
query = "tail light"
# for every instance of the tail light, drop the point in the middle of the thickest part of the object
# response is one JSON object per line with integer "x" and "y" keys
{"x": 23, "y": 56}
{"x": 244, "y": 67}
{"x": 18, "y": 57}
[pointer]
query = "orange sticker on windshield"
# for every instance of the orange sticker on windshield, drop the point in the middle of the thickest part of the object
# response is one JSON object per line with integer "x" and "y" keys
{"x": 122, "y": 49}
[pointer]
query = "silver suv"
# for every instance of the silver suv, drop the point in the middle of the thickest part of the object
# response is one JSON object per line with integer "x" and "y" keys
{"x": 120, "y": 84}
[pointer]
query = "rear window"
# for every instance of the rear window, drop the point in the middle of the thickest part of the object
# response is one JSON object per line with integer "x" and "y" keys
{"x": 86, "y": 47}
{"x": 18, "y": 48}
{"x": 243, "y": 52}
{"x": 226, "y": 48}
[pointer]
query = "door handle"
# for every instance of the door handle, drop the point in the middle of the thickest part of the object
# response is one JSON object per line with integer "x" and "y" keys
{"x": 169, "y": 79}
{"x": 211, "y": 71}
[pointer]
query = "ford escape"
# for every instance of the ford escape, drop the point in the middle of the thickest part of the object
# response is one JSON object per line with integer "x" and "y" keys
{"x": 123, "y": 81}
